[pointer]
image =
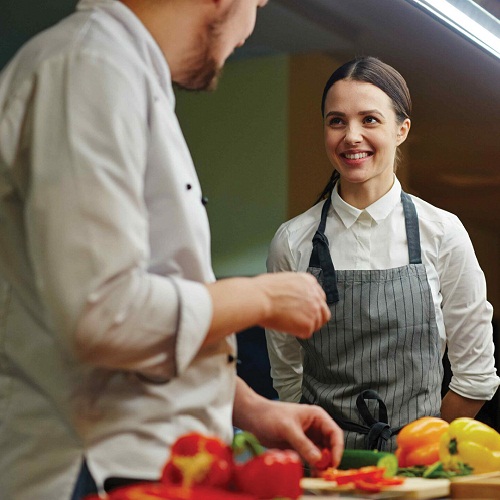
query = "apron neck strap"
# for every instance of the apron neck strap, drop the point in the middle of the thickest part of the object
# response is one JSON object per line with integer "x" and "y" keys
{"x": 412, "y": 229}
{"x": 321, "y": 258}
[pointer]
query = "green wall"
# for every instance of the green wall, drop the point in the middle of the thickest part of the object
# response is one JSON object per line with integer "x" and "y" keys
{"x": 238, "y": 137}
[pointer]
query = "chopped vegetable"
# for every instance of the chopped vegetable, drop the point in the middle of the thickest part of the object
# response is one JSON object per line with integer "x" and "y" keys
{"x": 371, "y": 472}
{"x": 470, "y": 442}
{"x": 325, "y": 461}
{"x": 378, "y": 485}
{"x": 418, "y": 441}
{"x": 435, "y": 471}
{"x": 370, "y": 478}
{"x": 156, "y": 491}
{"x": 352, "y": 459}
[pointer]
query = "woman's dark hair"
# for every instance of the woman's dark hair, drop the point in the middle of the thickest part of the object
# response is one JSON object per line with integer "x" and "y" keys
{"x": 385, "y": 77}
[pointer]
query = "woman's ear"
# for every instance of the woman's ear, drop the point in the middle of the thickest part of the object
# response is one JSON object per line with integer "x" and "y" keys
{"x": 403, "y": 131}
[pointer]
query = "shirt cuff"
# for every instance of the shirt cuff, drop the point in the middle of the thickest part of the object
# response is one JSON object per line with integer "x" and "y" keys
{"x": 480, "y": 387}
{"x": 194, "y": 319}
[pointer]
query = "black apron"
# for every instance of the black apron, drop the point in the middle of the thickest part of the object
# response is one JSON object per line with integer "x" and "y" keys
{"x": 376, "y": 365}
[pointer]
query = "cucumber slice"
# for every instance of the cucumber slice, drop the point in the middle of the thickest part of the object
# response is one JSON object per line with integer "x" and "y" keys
{"x": 354, "y": 459}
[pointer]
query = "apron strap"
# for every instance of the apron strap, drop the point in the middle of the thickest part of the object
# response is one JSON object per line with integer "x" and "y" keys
{"x": 412, "y": 229}
{"x": 377, "y": 432}
{"x": 321, "y": 258}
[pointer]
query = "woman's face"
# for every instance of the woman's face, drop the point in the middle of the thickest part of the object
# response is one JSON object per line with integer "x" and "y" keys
{"x": 362, "y": 133}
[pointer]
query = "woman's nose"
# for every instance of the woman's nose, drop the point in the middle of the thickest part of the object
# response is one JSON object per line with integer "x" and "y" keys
{"x": 353, "y": 135}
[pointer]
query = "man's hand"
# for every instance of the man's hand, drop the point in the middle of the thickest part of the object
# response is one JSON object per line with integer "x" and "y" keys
{"x": 306, "y": 428}
{"x": 296, "y": 303}
{"x": 289, "y": 302}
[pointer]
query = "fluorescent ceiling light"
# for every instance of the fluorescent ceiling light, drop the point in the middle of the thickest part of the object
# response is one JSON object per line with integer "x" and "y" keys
{"x": 469, "y": 19}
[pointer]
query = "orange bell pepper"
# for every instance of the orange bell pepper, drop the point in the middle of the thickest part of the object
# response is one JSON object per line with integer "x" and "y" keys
{"x": 418, "y": 441}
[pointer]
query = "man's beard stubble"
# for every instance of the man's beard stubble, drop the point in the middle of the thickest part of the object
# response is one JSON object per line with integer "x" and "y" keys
{"x": 204, "y": 76}
{"x": 203, "y": 71}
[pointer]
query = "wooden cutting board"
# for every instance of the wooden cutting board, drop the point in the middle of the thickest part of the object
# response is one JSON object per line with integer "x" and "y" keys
{"x": 413, "y": 487}
{"x": 477, "y": 486}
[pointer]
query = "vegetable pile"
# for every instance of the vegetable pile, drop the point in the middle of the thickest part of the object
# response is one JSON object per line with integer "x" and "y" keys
{"x": 430, "y": 447}
{"x": 363, "y": 470}
{"x": 205, "y": 468}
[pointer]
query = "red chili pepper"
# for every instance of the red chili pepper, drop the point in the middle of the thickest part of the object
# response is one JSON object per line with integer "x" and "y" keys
{"x": 269, "y": 474}
{"x": 196, "y": 459}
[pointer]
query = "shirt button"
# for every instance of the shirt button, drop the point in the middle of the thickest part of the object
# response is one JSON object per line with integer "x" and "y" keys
{"x": 204, "y": 200}
{"x": 230, "y": 358}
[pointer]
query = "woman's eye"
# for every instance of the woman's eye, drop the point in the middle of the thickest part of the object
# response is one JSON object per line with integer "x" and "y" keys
{"x": 335, "y": 121}
{"x": 370, "y": 120}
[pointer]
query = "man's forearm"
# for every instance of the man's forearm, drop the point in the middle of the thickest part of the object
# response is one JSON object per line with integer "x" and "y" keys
{"x": 244, "y": 407}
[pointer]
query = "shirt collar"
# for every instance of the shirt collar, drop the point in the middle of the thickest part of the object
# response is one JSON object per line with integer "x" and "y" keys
{"x": 378, "y": 210}
{"x": 146, "y": 45}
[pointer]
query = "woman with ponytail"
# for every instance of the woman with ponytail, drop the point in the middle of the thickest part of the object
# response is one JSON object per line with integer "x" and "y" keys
{"x": 401, "y": 279}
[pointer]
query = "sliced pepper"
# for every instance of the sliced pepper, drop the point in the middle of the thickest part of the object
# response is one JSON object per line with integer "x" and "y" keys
{"x": 418, "y": 441}
{"x": 371, "y": 478}
{"x": 325, "y": 461}
{"x": 156, "y": 491}
{"x": 470, "y": 442}
{"x": 196, "y": 459}
{"x": 375, "y": 486}
{"x": 369, "y": 473}
{"x": 269, "y": 473}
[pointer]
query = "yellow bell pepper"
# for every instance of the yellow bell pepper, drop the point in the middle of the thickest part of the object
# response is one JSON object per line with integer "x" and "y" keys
{"x": 470, "y": 442}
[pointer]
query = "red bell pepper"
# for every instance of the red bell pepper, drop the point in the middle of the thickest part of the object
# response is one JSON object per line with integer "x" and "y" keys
{"x": 269, "y": 473}
{"x": 196, "y": 459}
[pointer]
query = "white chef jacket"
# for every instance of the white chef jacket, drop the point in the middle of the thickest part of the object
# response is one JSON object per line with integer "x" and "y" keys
{"x": 104, "y": 246}
{"x": 375, "y": 238}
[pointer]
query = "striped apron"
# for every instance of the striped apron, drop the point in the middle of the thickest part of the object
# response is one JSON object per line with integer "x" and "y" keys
{"x": 376, "y": 365}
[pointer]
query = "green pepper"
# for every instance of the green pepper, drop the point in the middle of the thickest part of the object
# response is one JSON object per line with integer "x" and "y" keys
{"x": 470, "y": 442}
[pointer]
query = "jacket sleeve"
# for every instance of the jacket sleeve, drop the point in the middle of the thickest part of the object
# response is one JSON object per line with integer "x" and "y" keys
{"x": 285, "y": 353}
{"x": 87, "y": 224}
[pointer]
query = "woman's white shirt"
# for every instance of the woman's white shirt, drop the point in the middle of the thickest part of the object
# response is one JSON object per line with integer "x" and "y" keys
{"x": 375, "y": 238}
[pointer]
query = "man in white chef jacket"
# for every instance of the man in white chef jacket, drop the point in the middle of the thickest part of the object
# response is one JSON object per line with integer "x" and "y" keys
{"x": 114, "y": 336}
